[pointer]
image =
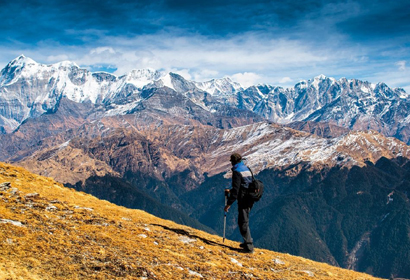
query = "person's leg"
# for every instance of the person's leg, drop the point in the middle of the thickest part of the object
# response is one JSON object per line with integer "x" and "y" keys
{"x": 243, "y": 223}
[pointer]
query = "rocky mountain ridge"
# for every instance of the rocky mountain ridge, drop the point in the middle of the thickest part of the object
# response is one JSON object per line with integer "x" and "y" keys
{"x": 351, "y": 104}
{"x": 167, "y": 150}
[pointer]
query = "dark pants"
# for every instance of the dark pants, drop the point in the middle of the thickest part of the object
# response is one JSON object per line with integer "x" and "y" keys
{"x": 244, "y": 208}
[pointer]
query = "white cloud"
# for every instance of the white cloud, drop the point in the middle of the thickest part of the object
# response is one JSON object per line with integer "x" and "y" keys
{"x": 251, "y": 58}
{"x": 205, "y": 75}
{"x": 401, "y": 65}
{"x": 185, "y": 73}
{"x": 248, "y": 58}
{"x": 246, "y": 79}
{"x": 55, "y": 58}
{"x": 285, "y": 80}
{"x": 225, "y": 56}
{"x": 102, "y": 50}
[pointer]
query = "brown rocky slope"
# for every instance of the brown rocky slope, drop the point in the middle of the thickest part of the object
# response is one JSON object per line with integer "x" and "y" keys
{"x": 52, "y": 232}
{"x": 163, "y": 151}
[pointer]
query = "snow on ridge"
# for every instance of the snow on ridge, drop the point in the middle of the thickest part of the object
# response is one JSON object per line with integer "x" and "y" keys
{"x": 11, "y": 123}
{"x": 268, "y": 145}
{"x": 148, "y": 75}
{"x": 143, "y": 77}
{"x": 271, "y": 146}
{"x": 217, "y": 86}
{"x": 65, "y": 64}
{"x": 79, "y": 86}
{"x": 167, "y": 81}
{"x": 317, "y": 80}
{"x": 122, "y": 109}
{"x": 22, "y": 60}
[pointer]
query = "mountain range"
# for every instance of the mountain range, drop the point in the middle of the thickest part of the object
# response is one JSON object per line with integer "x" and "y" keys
{"x": 29, "y": 89}
{"x": 337, "y": 183}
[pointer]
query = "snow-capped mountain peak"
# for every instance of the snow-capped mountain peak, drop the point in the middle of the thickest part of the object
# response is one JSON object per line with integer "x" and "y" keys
{"x": 145, "y": 73}
{"x": 220, "y": 86}
{"x": 22, "y": 61}
{"x": 142, "y": 77}
{"x": 320, "y": 77}
{"x": 65, "y": 64}
{"x": 15, "y": 68}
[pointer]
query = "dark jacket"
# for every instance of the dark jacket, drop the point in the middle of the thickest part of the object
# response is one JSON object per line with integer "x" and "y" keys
{"x": 241, "y": 177}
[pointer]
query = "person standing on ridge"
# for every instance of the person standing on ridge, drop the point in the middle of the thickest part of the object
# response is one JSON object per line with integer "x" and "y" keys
{"x": 241, "y": 178}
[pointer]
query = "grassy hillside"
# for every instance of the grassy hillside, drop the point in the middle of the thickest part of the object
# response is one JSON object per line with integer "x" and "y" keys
{"x": 48, "y": 231}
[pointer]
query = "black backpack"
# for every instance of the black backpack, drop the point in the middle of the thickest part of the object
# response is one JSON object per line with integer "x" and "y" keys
{"x": 255, "y": 189}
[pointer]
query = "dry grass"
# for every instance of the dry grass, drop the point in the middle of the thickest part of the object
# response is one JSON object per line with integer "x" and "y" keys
{"x": 64, "y": 234}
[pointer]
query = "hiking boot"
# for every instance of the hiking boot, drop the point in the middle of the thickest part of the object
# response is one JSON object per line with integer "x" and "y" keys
{"x": 247, "y": 251}
{"x": 245, "y": 247}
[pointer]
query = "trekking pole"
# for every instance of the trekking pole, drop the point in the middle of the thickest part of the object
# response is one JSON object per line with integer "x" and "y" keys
{"x": 226, "y": 201}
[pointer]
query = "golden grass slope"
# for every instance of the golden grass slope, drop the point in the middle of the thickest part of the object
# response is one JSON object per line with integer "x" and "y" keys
{"x": 48, "y": 231}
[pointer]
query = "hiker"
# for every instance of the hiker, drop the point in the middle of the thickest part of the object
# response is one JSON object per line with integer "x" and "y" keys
{"x": 241, "y": 177}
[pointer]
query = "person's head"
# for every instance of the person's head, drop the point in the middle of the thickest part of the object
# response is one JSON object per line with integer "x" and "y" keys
{"x": 235, "y": 158}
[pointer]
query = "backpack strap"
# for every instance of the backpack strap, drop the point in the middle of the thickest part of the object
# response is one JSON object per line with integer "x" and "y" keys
{"x": 253, "y": 178}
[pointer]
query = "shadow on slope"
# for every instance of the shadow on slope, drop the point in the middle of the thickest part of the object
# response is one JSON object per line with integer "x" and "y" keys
{"x": 206, "y": 241}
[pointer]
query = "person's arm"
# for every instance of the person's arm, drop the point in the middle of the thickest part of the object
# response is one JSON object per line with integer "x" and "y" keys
{"x": 236, "y": 184}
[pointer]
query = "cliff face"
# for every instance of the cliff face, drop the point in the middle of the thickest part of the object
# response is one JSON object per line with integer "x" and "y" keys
{"x": 51, "y": 232}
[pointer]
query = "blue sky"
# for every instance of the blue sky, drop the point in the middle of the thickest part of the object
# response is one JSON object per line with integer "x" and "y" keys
{"x": 274, "y": 42}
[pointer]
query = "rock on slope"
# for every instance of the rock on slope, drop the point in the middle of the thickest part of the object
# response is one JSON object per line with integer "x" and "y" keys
{"x": 51, "y": 232}
{"x": 322, "y": 129}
